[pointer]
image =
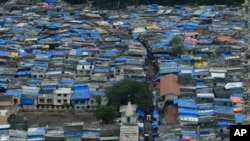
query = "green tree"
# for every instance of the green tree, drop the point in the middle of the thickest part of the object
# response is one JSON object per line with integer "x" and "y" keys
{"x": 106, "y": 113}
{"x": 76, "y": 1}
{"x": 3, "y": 1}
{"x": 98, "y": 99}
{"x": 125, "y": 90}
{"x": 177, "y": 46}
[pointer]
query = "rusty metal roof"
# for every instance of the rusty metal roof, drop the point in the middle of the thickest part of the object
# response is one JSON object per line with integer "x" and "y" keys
{"x": 169, "y": 85}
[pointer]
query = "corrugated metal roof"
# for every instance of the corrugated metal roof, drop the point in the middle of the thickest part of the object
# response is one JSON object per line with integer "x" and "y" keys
{"x": 171, "y": 114}
{"x": 169, "y": 85}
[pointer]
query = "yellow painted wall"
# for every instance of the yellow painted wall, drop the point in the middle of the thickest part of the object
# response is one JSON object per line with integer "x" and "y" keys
{"x": 201, "y": 64}
{"x": 14, "y": 54}
{"x": 3, "y": 120}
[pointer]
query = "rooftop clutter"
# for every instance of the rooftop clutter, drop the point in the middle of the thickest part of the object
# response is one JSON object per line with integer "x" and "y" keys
{"x": 47, "y": 52}
{"x": 56, "y": 55}
{"x": 203, "y": 90}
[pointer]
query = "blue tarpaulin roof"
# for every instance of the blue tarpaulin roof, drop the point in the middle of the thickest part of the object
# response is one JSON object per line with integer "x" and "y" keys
{"x": 239, "y": 118}
{"x": 206, "y": 106}
{"x": 167, "y": 71}
{"x": 23, "y": 72}
{"x": 223, "y": 109}
{"x": 224, "y": 124}
{"x": 48, "y": 87}
{"x": 27, "y": 101}
{"x": 14, "y": 92}
{"x": 2, "y": 79}
{"x": 187, "y": 112}
{"x": 140, "y": 112}
{"x": 91, "y": 132}
{"x": 121, "y": 60}
{"x": 5, "y": 86}
{"x": 4, "y": 53}
{"x": 80, "y": 88}
{"x": 37, "y": 81}
{"x": 238, "y": 94}
{"x": 66, "y": 81}
{"x": 3, "y": 42}
{"x": 2, "y": 21}
{"x": 110, "y": 53}
{"x": 185, "y": 58}
{"x": 206, "y": 73}
{"x": 186, "y": 103}
{"x": 168, "y": 64}
{"x": 37, "y": 132}
{"x": 155, "y": 124}
{"x": 201, "y": 83}
{"x": 51, "y": 1}
{"x": 4, "y": 132}
{"x": 56, "y": 37}
{"x": 35, "y": 138}
{"x": 22, "y": 53}
{"x": 67, "y": 134}
{"x": 54, "y": 25}
{"x": 80, "y": 95}
{"x": 101, "y": 70}
{"x": 222, "y": 100}
{"x": 156, "y": 113}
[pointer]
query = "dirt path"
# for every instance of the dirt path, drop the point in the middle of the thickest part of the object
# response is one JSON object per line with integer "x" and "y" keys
{"x": 150, "y": 71}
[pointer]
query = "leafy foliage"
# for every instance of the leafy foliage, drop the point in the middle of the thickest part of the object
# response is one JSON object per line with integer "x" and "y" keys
{"x": 177, "y": 44}
{"x": 76, "y": 1}
{"x": 2, "y": 1}
{"x": 98, "y": 99}
{"x": 106, "y": 113}
{"x": 125, "y": 90}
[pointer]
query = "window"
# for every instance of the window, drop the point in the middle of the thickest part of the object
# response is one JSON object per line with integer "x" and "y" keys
{"x": 59, "y": 101}
{"x": 90, "y": 67}
{"x": 87, "y": 72}
{"x": 40, "y": 76}
{"x": 65, "y": 95}
{"x": 82, "y": 67}
{"x": 49, "y": 100}
{"x": 34, "y": 76}
{"x": 41, "y": 100}
{"x": 58, "y": 94}
{"x": 91, "y": 101}
{"x": 15, "y": 101}
{"x": 65, "y": 101}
